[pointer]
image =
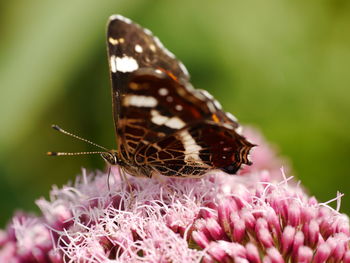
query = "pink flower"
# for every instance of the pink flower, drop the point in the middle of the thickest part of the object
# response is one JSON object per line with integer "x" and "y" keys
{"x": 257, "y": 216}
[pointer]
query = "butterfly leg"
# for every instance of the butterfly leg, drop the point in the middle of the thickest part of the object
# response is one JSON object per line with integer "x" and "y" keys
{"x": 108, "y": 177}
{"x": 125, "y": 179}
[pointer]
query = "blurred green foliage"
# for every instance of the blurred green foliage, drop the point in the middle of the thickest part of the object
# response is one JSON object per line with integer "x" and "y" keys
{"x": 282, "y": 66}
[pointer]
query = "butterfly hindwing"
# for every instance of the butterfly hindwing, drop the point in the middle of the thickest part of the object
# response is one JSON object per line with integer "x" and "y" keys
{"x": 193, "y": 150}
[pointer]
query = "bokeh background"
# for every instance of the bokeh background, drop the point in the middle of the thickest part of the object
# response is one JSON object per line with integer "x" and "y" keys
{"x": 282, "y": 66}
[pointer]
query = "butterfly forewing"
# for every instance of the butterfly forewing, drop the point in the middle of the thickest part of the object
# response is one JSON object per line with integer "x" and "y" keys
{"x": 163, "y": 125}
{"x": 131, "y": 47}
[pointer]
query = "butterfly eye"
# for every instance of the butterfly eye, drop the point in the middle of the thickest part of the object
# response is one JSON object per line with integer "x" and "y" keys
{"x": 110, "y": 158}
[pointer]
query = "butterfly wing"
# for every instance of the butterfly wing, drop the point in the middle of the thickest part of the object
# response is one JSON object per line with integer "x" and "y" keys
{"x": 131, "y": 47}
{"x": 127, "y": 41}
{"x": 199, "y": 147}
{"x": 162, "y": 123}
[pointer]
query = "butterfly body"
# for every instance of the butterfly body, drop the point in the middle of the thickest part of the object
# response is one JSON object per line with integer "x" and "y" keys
{"x": 164, "y": 125}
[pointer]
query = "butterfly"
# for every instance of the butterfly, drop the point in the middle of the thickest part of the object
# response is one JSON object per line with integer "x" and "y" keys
{"x": 163, "y": 125}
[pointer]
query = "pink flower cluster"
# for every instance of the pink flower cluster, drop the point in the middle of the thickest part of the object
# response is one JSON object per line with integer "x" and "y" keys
{"x": 256, "y": 216}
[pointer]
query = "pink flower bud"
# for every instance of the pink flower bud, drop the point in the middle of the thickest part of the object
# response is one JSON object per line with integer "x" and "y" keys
{"x": 297, "y": 243}
{"x": 294, "y": 216}
{"x": 304, "y": 254}
{"x": 200, "y": 238}
{"x": 214, "y": 229}
{"x": 274, "y": 255}
{"x": 238, "y": 231}
{"x": 287, "y": 239}
{"x": 252, "y": 253}
{"x": 322, "y": 253}
{"x": 263, "y": 234}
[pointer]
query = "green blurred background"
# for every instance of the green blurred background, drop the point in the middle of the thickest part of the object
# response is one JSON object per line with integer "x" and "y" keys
{"x": 282, "y": 66}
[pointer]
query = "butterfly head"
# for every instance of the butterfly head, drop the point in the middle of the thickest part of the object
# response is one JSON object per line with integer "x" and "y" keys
{"x": 111, "y": 157}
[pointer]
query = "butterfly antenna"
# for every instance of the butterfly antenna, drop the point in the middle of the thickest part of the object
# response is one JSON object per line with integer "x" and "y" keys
{"x": 71, "y": 154}
{"x": 57, "y": 128}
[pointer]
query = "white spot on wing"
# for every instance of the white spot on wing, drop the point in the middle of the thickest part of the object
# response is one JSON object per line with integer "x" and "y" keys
{"x": 169, "y": 53}
{"x": 158, "y": 43}
{"x": 190, "y": 88}
{"x": 163, "y": 92}
{"x": 211, "y": 106}
{"x": 113, "y": 41}
{"x": 178, "y": 107}
{"x": 152, "y": 47}
{"x": 217, "y": 104}
{"x": 138, "y": 48}
{"x": 206, "y": 94}
{"x": 198, "y": 94}
{"x": 183, "y": 68}
{"x": 140, "y": 101}
{"x": 157, "y": 118}
{"x": 239, "y": 130}
{"x": 231, "y": 117}
{"x": 191, "y": 147}
{"x": 173, "y": 122}
{"x": 147, "y": 31}
{"x": 158, "y": 71}
{"x": 123, "y": 64}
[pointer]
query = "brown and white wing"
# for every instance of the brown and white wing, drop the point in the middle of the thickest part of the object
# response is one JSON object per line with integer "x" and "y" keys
{"x": 162, "y": 122}
{"x": 195, "y": 149}
{"x": 131, "y": 47}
